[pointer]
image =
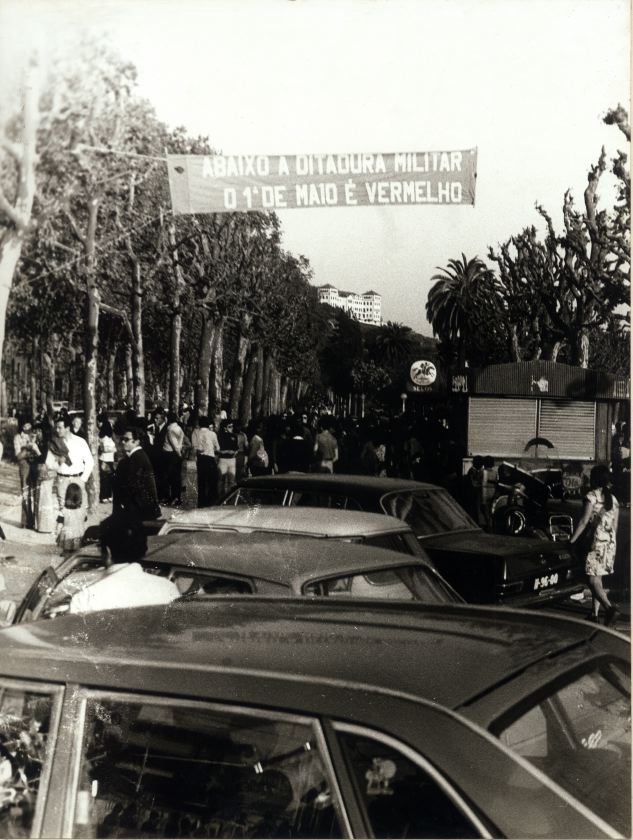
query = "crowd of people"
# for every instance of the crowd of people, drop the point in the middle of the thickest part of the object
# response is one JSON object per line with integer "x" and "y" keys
{"x": 206, "y": 455}
{"x": 147, "y": 462}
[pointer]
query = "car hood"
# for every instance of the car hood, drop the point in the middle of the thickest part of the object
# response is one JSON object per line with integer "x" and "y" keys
{"x": 479, "y": 542}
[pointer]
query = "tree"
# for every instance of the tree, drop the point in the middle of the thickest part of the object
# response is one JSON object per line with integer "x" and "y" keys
{"x": 393, "y": 343}
{"x": 567, "y": 286}
{"x": 463, "y": 298}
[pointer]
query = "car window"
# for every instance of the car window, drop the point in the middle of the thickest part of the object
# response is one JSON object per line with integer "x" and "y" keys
{"x": 400, "y": 798}
{"x": 25, "y": 747}
{"x": 91, "y": 586}
{"x": 151, "y": 769}
{"x": 579, "y": 734}
{"x": 392, "y": 542}
{"x": 209, "y": 584}
{"x": 323, "y": 499}
{"x": 256, "y": 496}
{"x": 404, "y": 583}
{"x": 427, "y": 512}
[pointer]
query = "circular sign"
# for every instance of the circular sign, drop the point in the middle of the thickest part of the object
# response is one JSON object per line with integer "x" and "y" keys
{"x": 423, "y": 373}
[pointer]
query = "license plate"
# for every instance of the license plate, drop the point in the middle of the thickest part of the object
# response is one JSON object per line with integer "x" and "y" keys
{"x": 545, "y": 582}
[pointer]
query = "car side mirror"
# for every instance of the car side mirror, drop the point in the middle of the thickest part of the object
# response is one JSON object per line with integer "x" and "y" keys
{"x": 7, "y": 612}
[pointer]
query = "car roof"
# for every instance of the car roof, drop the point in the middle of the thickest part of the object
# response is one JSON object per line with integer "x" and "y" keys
{"x": 318, "y": 522}
{"x": 446, "y": 654}
{"x": 339, "y": 482}
{"x": 279, "y": 560}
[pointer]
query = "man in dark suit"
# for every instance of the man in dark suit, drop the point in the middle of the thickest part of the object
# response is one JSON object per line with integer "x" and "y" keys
{"x": 134, "y": 499}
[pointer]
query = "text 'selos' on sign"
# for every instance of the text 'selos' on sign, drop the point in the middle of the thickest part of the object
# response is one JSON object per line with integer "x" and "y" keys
{"x": 229, "y": 183}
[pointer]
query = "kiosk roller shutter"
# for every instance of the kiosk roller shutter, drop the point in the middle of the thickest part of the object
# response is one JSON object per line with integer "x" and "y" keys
{"x": 570, "y": 426}
{"x": 500, "y": 427}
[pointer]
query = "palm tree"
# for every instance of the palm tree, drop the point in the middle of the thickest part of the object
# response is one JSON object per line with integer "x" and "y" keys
{"x": 464, "y": 298}
{"x": 394, "y": 343}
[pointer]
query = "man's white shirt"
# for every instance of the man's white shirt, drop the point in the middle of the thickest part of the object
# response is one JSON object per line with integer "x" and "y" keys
{"x": 82, "y": 461}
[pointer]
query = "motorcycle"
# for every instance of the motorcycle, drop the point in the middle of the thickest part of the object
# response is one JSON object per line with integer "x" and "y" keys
{"x": 524, "y": 493}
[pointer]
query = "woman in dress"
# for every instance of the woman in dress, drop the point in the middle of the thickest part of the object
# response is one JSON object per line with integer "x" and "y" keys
{"x": 26, "y": 452}
{"x": 599, "y": 525}
{"x": 44, "y": 501}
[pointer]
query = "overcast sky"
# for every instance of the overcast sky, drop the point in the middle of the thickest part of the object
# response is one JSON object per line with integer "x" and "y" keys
{"x": 526, "y": 82}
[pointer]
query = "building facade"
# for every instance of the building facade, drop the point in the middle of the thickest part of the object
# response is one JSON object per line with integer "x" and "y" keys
{"x": 365, "y": 307}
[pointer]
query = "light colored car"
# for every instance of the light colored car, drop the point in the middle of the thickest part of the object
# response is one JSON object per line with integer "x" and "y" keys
{"x": 351, "y": 526}
{"x": 321, "y": 718}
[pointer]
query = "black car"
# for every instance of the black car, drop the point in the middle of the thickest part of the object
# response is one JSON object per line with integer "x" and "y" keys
{"x": 314, "y": 718}
{"x": 483, "y": 568}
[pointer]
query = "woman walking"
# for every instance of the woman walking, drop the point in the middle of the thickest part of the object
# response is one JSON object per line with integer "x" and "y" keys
{"x": 599, "y": 525}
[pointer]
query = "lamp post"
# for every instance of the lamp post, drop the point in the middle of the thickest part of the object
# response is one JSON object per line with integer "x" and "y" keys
{"x": 403, "y": 397}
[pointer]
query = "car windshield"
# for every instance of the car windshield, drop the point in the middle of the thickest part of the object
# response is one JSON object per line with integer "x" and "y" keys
{"x": 428, "y": 512}
{"x": 411, "y": 583}
{"x": 579, "y": 734}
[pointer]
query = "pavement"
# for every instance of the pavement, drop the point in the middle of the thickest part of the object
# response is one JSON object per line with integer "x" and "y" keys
{"x": 24, "y": 554}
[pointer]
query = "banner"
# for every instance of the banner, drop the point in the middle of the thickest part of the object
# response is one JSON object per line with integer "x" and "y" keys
{"x": 239, "y": 183}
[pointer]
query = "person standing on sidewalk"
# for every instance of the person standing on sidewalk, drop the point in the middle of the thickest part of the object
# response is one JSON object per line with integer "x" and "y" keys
{"x": 205, "y": 443}
{"x": 107, "y": 448}
{"x": 326, "y": 447}
{"x": 26, "y": 452}
{"x": 172, "y": 453}
{"x": 75, "y": 467}
{"x": 227, "y": 458}
{"x": 598, "y": 527}
{"x": 134, "y": 500}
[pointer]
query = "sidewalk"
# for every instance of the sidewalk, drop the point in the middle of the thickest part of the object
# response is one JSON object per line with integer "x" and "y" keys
{"x": 25, "y": 553}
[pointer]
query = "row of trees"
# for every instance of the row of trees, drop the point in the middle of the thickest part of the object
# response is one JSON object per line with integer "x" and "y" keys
{"x": 96, "y": 263}
{"x": 562, "y": 296}
{"x": 124, "y": 301}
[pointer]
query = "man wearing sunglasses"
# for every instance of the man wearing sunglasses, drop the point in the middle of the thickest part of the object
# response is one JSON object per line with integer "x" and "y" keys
{"x": 134, "y": 499}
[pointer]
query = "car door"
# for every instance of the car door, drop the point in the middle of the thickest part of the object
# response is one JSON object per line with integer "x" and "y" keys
{"x": 155, "y": 766}
{"x": 30, "y": 714}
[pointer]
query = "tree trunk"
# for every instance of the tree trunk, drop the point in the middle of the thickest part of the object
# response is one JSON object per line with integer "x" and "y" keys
{"x": 237, "y": 381}
{"x": 267, "y": 400}
{"x": 583, "y": 349}
{"x": 283, "y": 393}
{"x": 111, "y": 366}
{"x": 204, "y": 364}
{"x": 217, "y": 366}
{"x": 48, "y": 380}
{"x": 138, "y": 361}
{"x": 19, "y": 216}
{"x": 515, "y": 349}
{"x": 247, "y": 390}
{"x": 129, "y": 374}
{"x": 176, "y": 326}
{"x": 93, "y": 301}
{"x": 33, "y": 373}
{"x": 259, "y": 383}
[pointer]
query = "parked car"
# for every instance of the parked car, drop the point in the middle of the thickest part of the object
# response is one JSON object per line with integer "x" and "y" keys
{"x": 300, "y": 718}
{"x": 366, "y": 528}
{"x": 483, "y": 568}
{"x": 210, "y": 564}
